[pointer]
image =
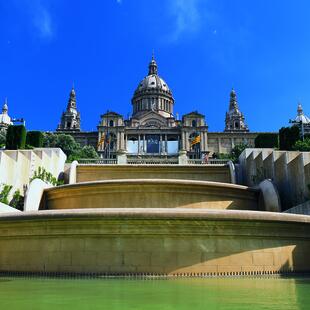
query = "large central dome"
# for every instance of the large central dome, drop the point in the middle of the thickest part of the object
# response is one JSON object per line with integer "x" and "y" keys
{"x": 153, "y": 94}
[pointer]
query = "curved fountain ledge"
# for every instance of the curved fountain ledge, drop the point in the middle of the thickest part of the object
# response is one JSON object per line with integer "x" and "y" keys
{"x": 146, "y": 193}
{"x": 160, "y": 213}
{"x": 147, "y": 242}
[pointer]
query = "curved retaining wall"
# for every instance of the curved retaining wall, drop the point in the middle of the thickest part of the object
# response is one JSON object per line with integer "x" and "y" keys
{"x": 146, "y": 193}
{"x": 87, "y": 173}
{"x": 154, "y": 242}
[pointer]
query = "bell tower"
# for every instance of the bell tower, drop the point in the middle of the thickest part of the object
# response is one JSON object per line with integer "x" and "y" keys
{"x": 70, "y": 119}
{"x": 234, "y": 121}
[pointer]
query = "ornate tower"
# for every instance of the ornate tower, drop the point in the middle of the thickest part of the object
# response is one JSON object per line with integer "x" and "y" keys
{"x": 234, "y": 121}
{"x": 153, "y": 94}
{"x": 70, "y": 119}
{"x": 5, "y": 120}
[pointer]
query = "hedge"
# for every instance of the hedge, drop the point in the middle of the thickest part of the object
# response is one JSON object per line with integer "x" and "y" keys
{"x": 16, "y": 137}
{"x": 34, "y": 138}
{"x": 288, "y": 136}
{"x": 268, "y": 140}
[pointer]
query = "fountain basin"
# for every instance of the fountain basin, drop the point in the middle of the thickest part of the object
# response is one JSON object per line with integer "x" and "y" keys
{"x": 145, "y": 193}
{"x": 166, "y": 242}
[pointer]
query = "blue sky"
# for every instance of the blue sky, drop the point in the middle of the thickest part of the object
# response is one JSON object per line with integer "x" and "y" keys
{"x": 203, "y": 48}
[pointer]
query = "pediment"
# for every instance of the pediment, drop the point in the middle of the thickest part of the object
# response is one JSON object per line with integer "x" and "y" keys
{"x": 153, "y": 120}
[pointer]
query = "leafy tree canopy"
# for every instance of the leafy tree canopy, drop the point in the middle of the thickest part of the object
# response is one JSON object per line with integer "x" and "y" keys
{"x": 303, "y": 146}
{"x": 70, "y": 147}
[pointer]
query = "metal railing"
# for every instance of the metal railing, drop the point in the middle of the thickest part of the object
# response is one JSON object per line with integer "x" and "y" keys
{"x": 152, "y": 161}
{"x": 98, "y": 161}
{"x": 208, "y": 162}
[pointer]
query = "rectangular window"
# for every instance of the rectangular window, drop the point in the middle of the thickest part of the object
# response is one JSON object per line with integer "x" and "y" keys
{"x": 152, "y": 144}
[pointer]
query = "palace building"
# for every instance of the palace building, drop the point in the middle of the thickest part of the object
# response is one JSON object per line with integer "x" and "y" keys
{"x": 153, "y": 129}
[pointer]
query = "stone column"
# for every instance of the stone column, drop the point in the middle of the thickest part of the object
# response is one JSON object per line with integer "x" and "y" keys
{"x": 166, "y": 144}
{"x": 161, "y": 144}
{"x": 138, "y": 143}
{"x": 219, "y": 145}
{"x": 118, "y": 142}
{"x": 187, "y": 141}
{"x": 232, "y": 142}
{"x": 183, "y": 146}
{"x": 202, "y": 141}
{"x": 122, "y": 144}
{"x": 125, "y": 142}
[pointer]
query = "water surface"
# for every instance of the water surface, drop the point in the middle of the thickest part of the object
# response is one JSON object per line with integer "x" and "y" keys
{"x": 194, "y": 294}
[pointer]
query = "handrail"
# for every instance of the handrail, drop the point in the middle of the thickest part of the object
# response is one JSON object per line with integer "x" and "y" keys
{"x": 98, "y": 161}
{"x": 152, "y": 161}
{"x": 210, "y": 161}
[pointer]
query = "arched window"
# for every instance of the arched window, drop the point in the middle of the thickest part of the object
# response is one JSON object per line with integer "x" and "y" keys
{"x": 111, "y": 123}
{"x": 236, "y": 125}
{"x": 194, "y": 123}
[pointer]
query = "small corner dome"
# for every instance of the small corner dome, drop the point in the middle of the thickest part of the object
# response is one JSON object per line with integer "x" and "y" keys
{"x": 5, "y": 119}
{"x": 301, "y": 117}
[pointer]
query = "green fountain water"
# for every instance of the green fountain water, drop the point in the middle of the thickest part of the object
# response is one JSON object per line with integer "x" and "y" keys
{"x": 225, "y": 293}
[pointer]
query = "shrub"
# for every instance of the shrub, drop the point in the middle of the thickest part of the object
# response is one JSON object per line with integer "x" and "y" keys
{"x": 4, "y": 194}
{"x": 303, "y": 146}
{"x": 34, "y": 138}
{"x": 46, "y": 176}
{"x": 17, "y": 201}
{"x": 16, "y": 137}
{"x": 237, "y": 150}
{"x": 288, "y": 136}
{"x": 2, "y": 138}
{"x": 86, "y": 151}
{"x": 267, "y": 140}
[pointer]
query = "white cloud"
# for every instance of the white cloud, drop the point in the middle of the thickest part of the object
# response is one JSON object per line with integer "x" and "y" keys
{"x": 39, "y": 17}
{"x": 186, "y": 17}
{"x": 43, "y": 22}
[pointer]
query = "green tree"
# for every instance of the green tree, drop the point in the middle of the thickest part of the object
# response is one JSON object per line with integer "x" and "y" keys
{"x": 303, "y": 146}
{"x": 65, "y": 142}
{"x": 2, "y": 139}
{"x": 16, "y": 137}
{"x": 87, "y": 151}
{"x": 34, "y": 138}
{"x": 288, "y": 136}
{"x": 237, "y": 150}
{"x": 267, "y": 140}
{"x": 70, "y": 147}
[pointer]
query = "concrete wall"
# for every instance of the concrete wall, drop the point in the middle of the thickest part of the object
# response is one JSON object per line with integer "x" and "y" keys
{"x": 303, "y": 208}
{"x": 17, "y": 167}
{"x": 290, "y": 172}
{"x": 144, "y": 193}
{"x": 155, "y": 241}
{"x": 86, "y": 173}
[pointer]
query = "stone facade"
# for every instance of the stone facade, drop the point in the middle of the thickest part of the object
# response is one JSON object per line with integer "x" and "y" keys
{"x": 153, "y": 130}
